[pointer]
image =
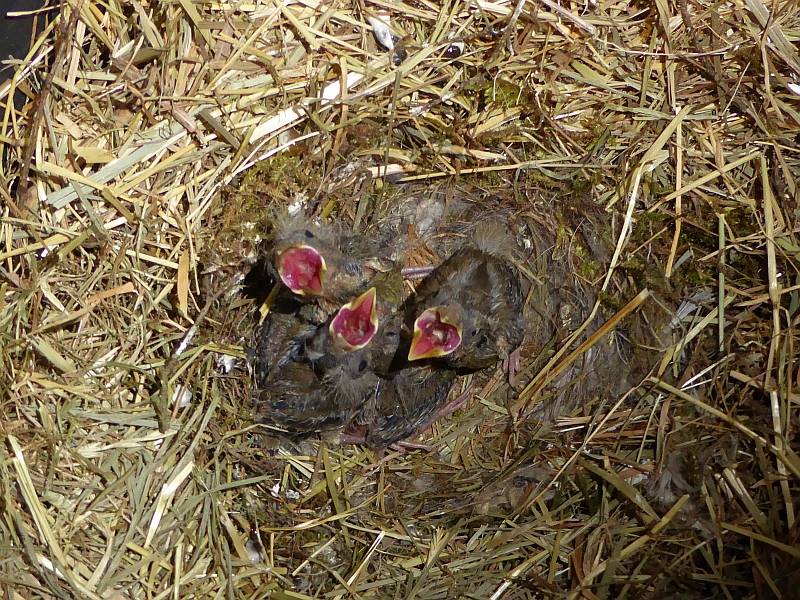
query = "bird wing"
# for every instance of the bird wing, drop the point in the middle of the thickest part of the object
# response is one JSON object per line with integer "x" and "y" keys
{"x": 407, "y": 402}
{"x": 277, "y": 342}
{"x": 301, "y": 404}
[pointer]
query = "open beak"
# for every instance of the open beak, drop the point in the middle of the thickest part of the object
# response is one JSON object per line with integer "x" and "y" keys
{"x": 356, "y": 323}
{"x": 301, "y": 269}
{"x": 434, "y": 335}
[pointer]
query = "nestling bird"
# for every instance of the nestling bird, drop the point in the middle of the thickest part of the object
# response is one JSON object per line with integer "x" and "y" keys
{"x": 406, "y": 402}
{"x": 322, "y": 377}
{"x": 467, "y": 314}
{"x": 407, "y": 395}
{"x": 383, "y": 347}
{"x": 404, "y": 396}
{"x": 320, "y": 262}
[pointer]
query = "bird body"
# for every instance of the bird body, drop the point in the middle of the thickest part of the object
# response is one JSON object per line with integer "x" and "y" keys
{"x": 302, "y": 402}
{"x": 277, "y": 342}
{"x": 406, "y": 401}
{"x": 407, "y": 394}
{"x": 356, "y": 366}
{"x": 321, "y": 377}
{"x": 475, "y": 292}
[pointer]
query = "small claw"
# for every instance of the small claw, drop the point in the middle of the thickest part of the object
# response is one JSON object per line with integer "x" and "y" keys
{"x": 353, "y": 438}
{"x": 355, "y": 434}
{"x": 361, "y": 440}
{"x": 449, "y": 408}
{"x": 511, "y": 366}
{"x": 452, "y": 406}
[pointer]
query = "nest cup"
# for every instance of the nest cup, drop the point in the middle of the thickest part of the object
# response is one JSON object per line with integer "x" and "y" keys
{"x": 644, "y": 159}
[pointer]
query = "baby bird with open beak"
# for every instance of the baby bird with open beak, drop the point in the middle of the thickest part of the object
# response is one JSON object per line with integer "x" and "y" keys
{"x": 319, "y": 262}
{"x": 468, "y": 312}
{"x": 407, "y": 395}
{"x": 325, "y": 378}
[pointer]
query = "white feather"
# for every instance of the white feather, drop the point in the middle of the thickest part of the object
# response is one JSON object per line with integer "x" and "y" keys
{"x": 380, "y": 28}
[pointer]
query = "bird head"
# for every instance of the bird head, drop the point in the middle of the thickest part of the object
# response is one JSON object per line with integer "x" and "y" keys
{"x": 355, "y": 324}
{"x": 302, "y": 269}
{"x": 437, "y": 332}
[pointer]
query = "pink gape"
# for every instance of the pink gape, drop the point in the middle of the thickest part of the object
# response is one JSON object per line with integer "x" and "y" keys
{"x": 301, "y": 268}
{"x": 435, "y": 337}
{"x": 356, "y": 322}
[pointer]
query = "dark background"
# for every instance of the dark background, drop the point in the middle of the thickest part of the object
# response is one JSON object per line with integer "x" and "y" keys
{"x": 15, "y": 34}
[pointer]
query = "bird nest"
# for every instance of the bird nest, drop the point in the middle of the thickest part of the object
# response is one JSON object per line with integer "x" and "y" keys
{"x": 645, "y": 156}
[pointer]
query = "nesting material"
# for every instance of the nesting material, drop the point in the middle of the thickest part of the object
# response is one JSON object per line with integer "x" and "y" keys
{"x": 645, "y": 157}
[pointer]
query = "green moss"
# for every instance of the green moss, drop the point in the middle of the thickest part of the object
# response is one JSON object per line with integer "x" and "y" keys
{"x": 242, "y": 216}
{"x": 506, "y": 94}
{"x": 279, "y": 176}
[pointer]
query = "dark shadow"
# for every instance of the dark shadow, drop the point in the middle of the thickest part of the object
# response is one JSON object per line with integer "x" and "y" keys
{"x": 16, "y": 34}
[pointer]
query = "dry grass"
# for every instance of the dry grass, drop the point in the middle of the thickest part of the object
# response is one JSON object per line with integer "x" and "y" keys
{"x": 131, "y": 466}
